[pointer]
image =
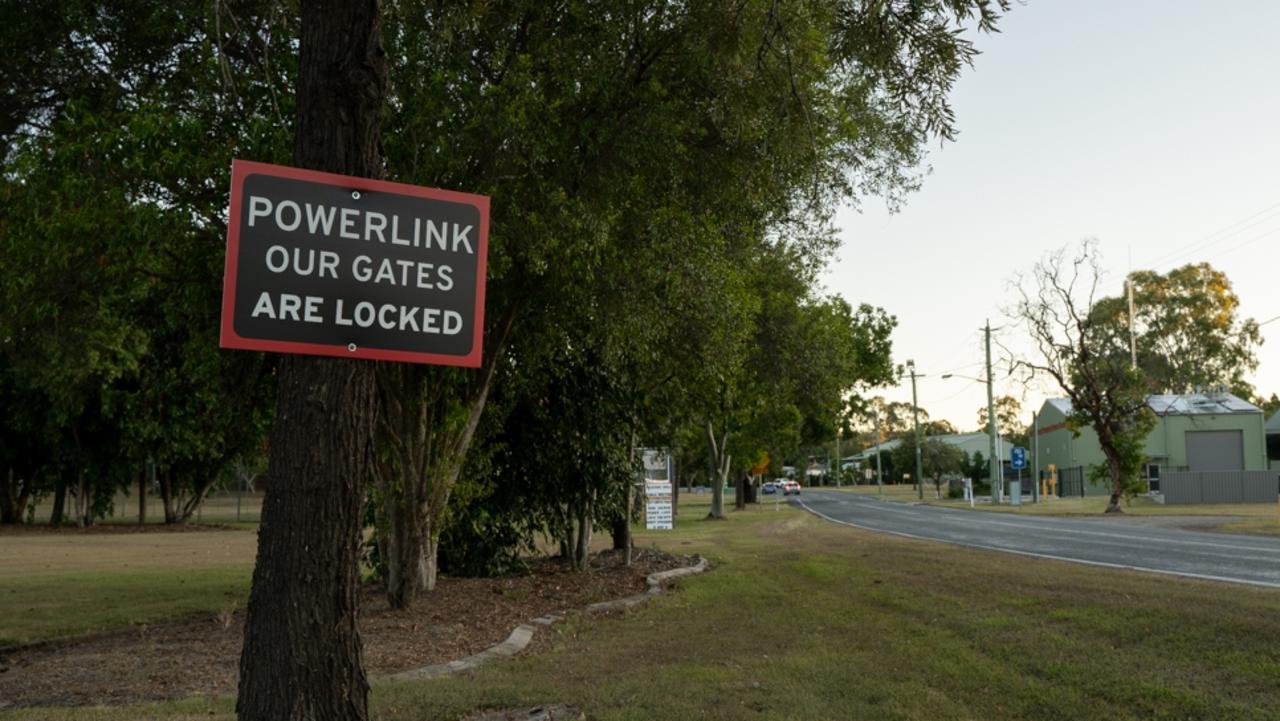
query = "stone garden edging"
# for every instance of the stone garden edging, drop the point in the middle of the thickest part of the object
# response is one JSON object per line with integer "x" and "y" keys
{"x": 523, "y": 634}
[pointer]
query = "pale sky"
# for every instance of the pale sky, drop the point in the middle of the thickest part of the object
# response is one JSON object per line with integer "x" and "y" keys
{"x": 1150, "y": 125}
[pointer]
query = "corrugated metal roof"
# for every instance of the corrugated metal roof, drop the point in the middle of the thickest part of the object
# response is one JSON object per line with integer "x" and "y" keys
{"x": 1274, "y": 424}
{"x": 1186, "y": 404}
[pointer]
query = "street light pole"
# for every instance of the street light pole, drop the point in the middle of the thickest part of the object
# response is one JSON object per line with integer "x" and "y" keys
{"x": 879, "y": 477}
{"x": 915, "y": 416}
{"x": 838, "y": 459}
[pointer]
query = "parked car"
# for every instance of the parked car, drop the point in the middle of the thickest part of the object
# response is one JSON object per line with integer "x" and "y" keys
{"x": 790, "y": 487}
{"x": 769, "y": 488}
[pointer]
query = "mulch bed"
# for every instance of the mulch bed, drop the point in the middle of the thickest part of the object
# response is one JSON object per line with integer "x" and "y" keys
{"x": 200, "y": 656}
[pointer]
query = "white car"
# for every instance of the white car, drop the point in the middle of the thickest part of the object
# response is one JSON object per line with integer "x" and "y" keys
{"x": 790, "y": 487}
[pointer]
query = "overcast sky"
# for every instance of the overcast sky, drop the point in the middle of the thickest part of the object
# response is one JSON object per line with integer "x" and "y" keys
{"x": 1150, "y": 125}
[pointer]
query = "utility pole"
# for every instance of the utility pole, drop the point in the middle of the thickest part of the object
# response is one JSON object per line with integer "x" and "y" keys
{"x": 1133, "y": 347}
{"x": 915, "y": 415}
{"x": 994, "y": 460}
{"x": 1035, "y": 457}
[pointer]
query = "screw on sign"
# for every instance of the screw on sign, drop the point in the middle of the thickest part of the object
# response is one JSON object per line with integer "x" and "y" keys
{"x": 335, "y": 265}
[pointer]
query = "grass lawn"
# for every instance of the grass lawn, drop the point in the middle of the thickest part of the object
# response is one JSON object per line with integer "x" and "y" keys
{"x": 892, "y": 492}
{"x": 801, "y": 619}
{"x": 73, "y": 582}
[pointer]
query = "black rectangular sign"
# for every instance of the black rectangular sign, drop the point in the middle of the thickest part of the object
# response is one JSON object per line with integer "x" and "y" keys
{"x": 328, "y": 264}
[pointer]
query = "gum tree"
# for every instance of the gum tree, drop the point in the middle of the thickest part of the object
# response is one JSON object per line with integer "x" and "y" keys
{"x": 1087, "y": 357}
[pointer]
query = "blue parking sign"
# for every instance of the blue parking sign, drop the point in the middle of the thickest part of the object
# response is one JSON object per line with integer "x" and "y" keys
{"x": 1019, "y": 458}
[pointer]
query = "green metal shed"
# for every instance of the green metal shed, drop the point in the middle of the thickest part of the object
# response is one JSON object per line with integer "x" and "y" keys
{"x": 1194, "y": 432}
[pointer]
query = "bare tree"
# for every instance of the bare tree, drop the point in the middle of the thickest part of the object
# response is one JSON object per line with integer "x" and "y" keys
{"x": 1088, "y": 360}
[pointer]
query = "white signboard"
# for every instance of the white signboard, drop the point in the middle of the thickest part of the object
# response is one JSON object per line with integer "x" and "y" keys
{"x": 657, "y": 506}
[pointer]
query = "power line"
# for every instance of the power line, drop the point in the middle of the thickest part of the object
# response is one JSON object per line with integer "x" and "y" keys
{"x": 1228, "y": 231}
{"x": 1251, "y": 241}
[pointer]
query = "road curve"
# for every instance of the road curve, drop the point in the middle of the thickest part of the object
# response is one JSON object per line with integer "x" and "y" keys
{"x": 1112, "y": 543}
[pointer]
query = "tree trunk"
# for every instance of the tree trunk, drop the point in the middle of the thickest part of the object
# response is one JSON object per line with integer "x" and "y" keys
{"x": 427, "y": 451}
{"x": 1117, "y": 486}
{"x": 142, "y": 497}
{"x": 302, "y": 655}
{"x": 84, "y": 500}
{"x": 675, "y": 494}
{"x": 719, "y": 465}
{"x": 301, "y": 658}
{"x": 13, "y": 496}
{"x": 166, "y": 496}
{"x": 569, "y": 537}
{"x": 430, "y": 563}
{"x": 191, "y": 505}
{"x": 406, "y": 549}
{"x": 1113, "y": 472}
{"x": 59, "y": 498}
{"x": 620, "y": 530}
{"x": 583, "y": 549}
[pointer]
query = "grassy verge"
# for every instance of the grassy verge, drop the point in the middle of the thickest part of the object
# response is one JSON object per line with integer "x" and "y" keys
{"x": 805, "y": 620}
{"x": 71, "y": 583}
{"x": 894, "y": 492}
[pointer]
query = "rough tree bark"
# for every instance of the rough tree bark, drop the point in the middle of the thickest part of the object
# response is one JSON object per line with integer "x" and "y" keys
{"x": 302, "y": 655}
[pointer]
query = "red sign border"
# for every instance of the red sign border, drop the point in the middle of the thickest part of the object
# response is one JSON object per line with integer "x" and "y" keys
{"x": 242, "y": 169}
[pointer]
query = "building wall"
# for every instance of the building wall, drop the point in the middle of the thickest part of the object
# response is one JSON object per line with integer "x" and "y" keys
{"x": 1167, "y": 443}
{"x": 1169, "y": 437}
{"x": 1059, "y": 447}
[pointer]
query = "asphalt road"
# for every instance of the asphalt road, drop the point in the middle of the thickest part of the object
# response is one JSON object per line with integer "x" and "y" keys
{"x": 1109, "y": 542}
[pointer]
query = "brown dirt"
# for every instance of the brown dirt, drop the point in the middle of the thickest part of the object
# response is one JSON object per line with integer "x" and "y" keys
{"x": 200, "y": 656}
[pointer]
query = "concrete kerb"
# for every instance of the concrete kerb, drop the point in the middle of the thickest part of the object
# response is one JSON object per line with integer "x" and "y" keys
{"x": 523, "y": 634}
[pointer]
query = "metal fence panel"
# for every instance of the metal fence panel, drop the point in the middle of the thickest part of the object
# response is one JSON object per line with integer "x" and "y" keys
{"x": 1071, "y": 482}
{"x": 1188, "y": 487}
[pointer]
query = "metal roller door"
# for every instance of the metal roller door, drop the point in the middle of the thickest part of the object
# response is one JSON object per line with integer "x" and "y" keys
{"x": 1215, "y": 450}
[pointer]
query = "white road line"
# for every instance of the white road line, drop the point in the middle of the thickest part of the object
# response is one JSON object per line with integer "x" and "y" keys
{"x": 1068, "y": 559}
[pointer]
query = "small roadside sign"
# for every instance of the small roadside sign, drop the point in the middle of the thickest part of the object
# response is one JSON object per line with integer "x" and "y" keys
{"x": 1018, "y": 457}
